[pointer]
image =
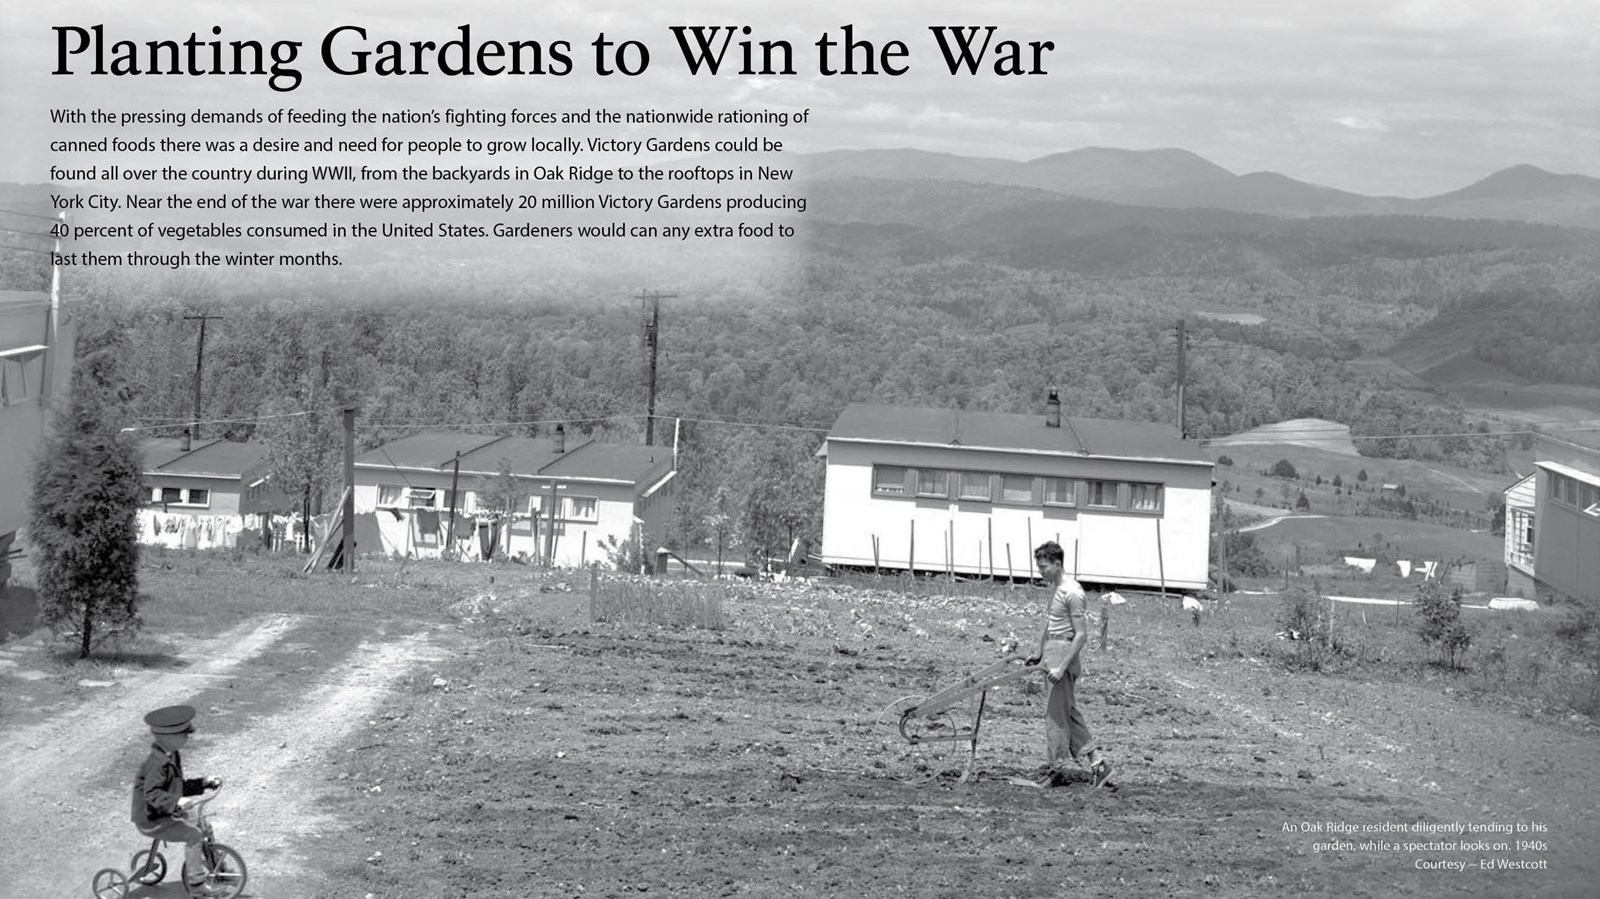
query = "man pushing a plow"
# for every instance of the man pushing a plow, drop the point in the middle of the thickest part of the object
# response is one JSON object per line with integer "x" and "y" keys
{"x": 1061, "y": 643}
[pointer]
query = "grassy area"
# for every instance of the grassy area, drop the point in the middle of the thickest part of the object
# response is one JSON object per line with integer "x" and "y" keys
{"x": 1462, "y": 489}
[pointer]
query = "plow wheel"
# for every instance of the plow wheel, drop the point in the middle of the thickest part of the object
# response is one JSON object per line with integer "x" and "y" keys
{"x": 933, "y": 744}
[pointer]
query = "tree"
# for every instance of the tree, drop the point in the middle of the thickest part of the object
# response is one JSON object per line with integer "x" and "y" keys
{"x": 1302, "y": 503}
{"x": 1337, "y": 482}
{"x": 503, "y": 495}
{"x": 1362, "y": 475}
{"x": 1438, "y": 621}
{"x": 87, "y": 489}
{"x": 1283, "y": 468}
{"x": 302, "y": 456}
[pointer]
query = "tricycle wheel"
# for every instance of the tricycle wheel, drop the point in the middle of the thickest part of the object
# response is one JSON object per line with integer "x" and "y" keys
{"x": 227, "y": 877}
{"x": 147, "y": 867}
{"x": 109, "y": 883}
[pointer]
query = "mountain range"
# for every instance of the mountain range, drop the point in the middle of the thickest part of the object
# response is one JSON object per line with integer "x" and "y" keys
{"x": 1180, "y": 179}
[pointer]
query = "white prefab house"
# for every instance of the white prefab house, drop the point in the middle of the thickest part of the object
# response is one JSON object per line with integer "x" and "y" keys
{"x": 572, "y": 502}
{"x": 972, "y": 493}
{"x": 198, "y": 494}
{"x": 1521, "y": 508}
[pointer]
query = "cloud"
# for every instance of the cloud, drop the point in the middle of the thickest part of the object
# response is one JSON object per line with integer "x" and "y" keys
{"x": 1361, "y": 123}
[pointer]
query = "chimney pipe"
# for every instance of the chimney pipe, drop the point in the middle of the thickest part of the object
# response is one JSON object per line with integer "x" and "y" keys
{"x": 1052, "y": 410}
{"x": 561, "y": 438}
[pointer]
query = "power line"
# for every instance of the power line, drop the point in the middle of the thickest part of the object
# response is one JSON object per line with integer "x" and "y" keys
{"x": 1549, "y": 427}
{"x": 43, "y": 234}
{"x": 30, "y": 215}
{"x": 166, "y": 422}
{"x": 12, "y": 246}
{"x": 502, "y": 424}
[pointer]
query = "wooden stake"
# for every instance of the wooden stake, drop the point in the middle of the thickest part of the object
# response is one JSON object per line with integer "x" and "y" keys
{"x": 1161, "y": 562}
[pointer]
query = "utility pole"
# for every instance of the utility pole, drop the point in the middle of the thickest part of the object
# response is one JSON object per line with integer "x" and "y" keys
{"x": 652, "y": 342}
{"x": 53, "y": 320}
{"x": 1183, "y": 345}
{"x": 349, "y": 535}
{"x": 450, "y": 527}
{"x": 199, "y": 366}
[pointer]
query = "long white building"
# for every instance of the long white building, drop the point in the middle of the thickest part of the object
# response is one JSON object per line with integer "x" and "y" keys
{"x": 972, "y": 493}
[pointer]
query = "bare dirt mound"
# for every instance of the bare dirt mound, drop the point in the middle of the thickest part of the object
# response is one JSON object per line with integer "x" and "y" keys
{"x": 1317, "y": 433}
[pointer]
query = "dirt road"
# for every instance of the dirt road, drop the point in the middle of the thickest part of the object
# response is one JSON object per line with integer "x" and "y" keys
{"x": 66, "y": 787}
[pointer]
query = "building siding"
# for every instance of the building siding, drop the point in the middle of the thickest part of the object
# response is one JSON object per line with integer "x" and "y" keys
{"x": 996, "y": 538}
{"x": 1567, "y": 549}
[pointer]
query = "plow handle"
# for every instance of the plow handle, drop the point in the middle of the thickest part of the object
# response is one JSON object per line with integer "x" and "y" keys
{"x": 1010, "y": 668}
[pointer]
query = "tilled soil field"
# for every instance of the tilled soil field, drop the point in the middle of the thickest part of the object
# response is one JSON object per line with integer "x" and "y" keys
{"x": 506, "y": 744}
{"x": 555, "y": 757}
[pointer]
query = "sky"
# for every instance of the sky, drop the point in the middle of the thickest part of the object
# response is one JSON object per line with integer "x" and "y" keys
{"x": 1382, "y": 98}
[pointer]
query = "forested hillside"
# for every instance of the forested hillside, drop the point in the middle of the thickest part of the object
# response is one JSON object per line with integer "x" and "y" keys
{"x": 914, "y": 292}
{"x": 755, "y": 382}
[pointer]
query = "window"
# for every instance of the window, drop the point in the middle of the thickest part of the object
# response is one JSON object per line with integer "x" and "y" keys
{"x": 1144, "y": 497}
{"x": 21, "y": 375}
{"x": 390, "y": 494}
{"x": 580, "y": 508}
{"x": 1563, "y": 489}
{"x": 976, "y": 485}
{"x": 1060, "y": 492}
{"x": 181, "y": 496}
{"x": 933, "y": 482}
{"x": 889, "y": 480}
{"x": 1016, "y": 488}
{"x": 1103, "y": 494}
{"x": 421, "y": 497}
{"x": 1589, "y": 500}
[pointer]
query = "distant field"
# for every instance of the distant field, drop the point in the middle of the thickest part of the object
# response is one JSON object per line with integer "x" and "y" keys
{"x": 1400, "y": 539}
{"x": 1487, "y": 390}
{"x": 1238, "y": 318}
{"x": 1314, "y": 433}
{"x": 1462, "y": 488}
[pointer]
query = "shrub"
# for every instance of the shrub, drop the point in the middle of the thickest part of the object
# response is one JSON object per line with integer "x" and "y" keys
{"x": 1306, "y": 622}
{"x": 626, "y": 555}
{"x": 1438, "y": 622}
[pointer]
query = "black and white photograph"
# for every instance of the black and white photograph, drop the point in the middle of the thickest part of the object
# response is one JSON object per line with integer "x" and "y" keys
{"x": 707, "y": 449}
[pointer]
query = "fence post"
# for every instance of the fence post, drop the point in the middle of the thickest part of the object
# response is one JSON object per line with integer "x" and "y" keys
{"x": 594, "y": 588}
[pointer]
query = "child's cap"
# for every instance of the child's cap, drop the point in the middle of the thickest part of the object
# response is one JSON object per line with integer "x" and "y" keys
{"x": 174, "y": 719}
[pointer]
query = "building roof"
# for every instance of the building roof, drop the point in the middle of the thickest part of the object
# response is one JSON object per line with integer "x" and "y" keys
{"x": 1010, "y": 432}
{"x": 432, "y": 450}
{"x": 218, "y": 458}
{"x": 527, "y": 456}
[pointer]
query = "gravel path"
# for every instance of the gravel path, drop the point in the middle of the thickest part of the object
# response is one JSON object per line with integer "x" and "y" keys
{"x": 65, "y": 812}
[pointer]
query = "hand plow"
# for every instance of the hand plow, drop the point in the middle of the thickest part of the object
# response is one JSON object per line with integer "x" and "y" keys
{"x": 928, "y": 720}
